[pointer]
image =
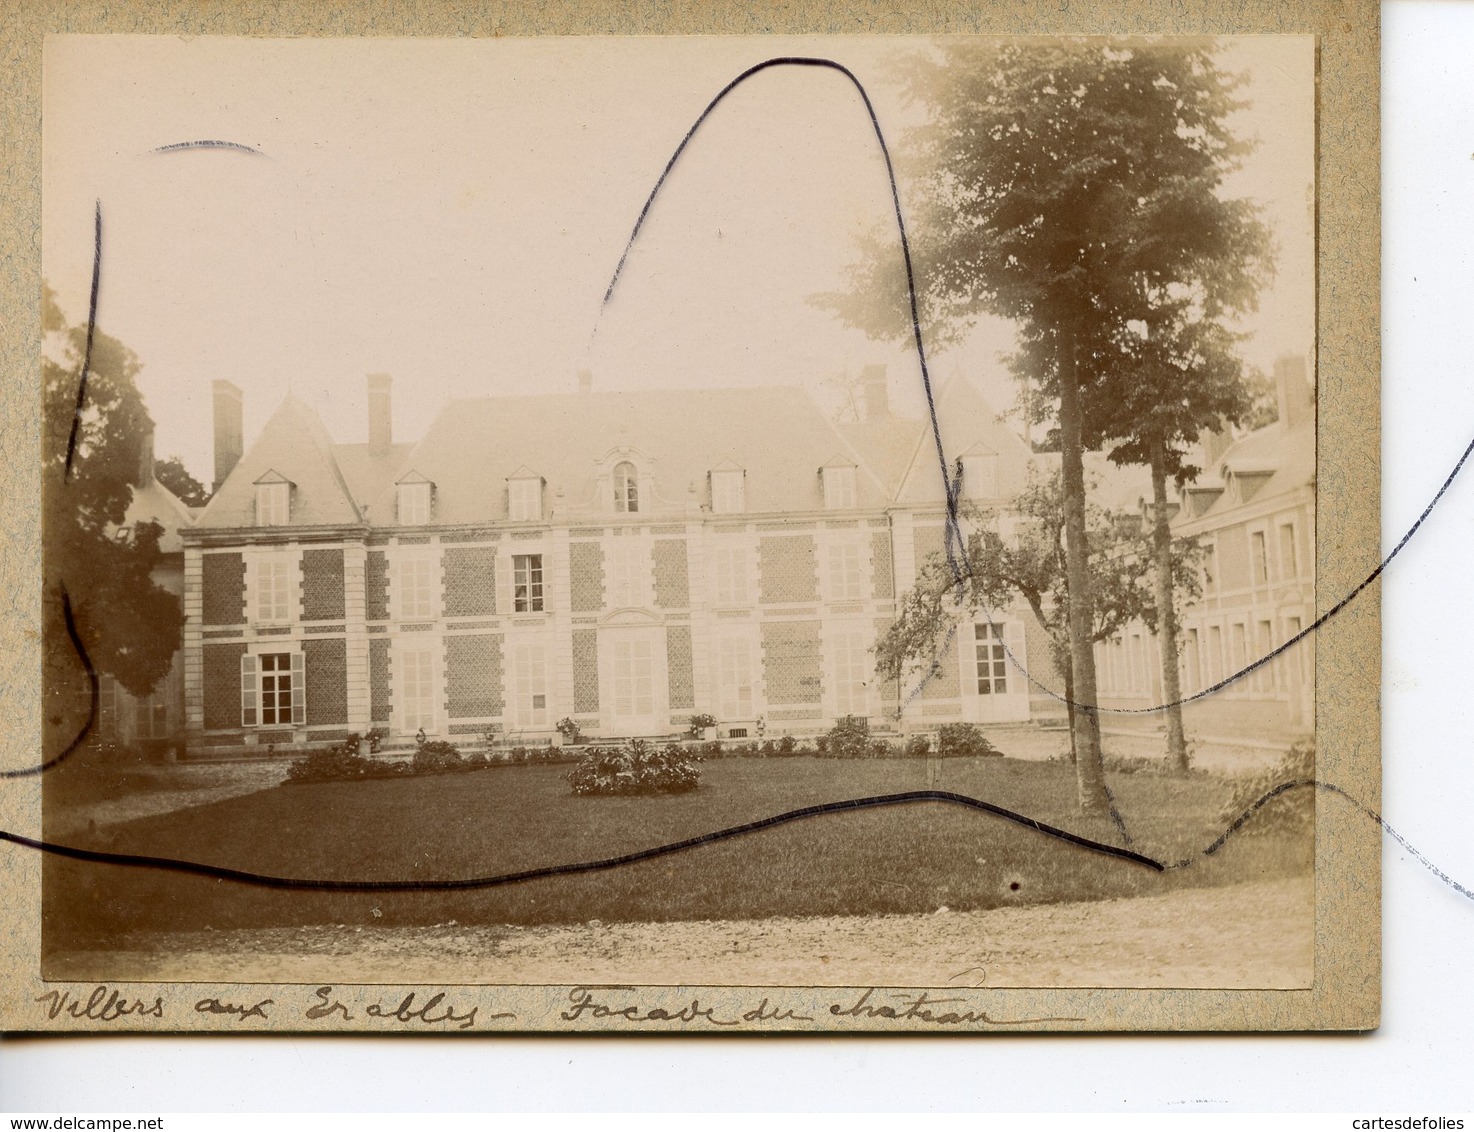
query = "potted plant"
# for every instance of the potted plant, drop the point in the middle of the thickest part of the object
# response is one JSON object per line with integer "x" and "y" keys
{"x": 703, "y": 726}
{"x": 569, "y": 732}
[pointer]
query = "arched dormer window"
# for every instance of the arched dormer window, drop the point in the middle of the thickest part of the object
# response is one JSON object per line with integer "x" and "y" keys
{"x": 626, "y": 487}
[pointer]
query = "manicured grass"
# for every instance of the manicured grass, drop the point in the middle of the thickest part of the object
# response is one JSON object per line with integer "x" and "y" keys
{"x": 911, "y": 858}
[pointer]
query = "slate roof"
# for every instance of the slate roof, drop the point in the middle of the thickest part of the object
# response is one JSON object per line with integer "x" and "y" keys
{"x": 776, "y": 435}
{"x": 1282, "y": 456}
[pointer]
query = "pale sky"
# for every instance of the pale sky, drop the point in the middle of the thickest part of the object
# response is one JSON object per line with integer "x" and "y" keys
{"x": 450, "y": 212}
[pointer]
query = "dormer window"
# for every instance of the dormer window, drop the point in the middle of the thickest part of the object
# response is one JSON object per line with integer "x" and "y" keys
{"x": 414, "y": 504}
{"x": 980, "y": 475}
{"x": 414, "y": 500}
{"x": 626, "y": 488}
{"x": 273, "y": 501}
{"x": 728, "y": 491}
{"x": 525, "y": 498}
{"x": 839, "y": 486}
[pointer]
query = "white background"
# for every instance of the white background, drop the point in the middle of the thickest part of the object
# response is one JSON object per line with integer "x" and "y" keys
{"x": 1421, "y": 1058}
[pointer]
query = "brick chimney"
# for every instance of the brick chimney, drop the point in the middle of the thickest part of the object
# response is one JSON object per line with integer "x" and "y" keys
{"x": 146, "y": 456}
{"x": 229, "y": 437}
{"x": 1296, "y": 398}
{"x": 381, "y": 429}
{"x": 877, "y": 392}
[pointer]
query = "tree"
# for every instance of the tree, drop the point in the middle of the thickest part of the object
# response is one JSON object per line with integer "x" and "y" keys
{"x": 1032, "y": 566}
{"x": 1050, "y": 177}
{"x": 94, "y": 564}
{"x": 175, "y": 476}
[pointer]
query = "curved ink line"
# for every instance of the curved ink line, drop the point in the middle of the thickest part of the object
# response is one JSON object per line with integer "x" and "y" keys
{"x": 208, "y": 143}
{"x": 954, "y": 543}
{"x": 94, "y": 689}
{"x": 268, "y": 881}
{"x": 91, "y": 329}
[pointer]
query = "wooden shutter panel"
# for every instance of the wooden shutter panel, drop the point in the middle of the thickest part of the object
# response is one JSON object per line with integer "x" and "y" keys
{"x": 248, "y": 690}
{"x": 299, "y": 689}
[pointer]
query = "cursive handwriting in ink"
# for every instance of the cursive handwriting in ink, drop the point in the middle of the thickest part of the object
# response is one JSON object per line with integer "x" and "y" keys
{"x": 102, "y": 1005}
{"x": 919, "y": 1009}
{"x": 762, "y": 1012}
{"x": 584, "y": 1003}
{"x": 240, "y": 1013}
{"x": 326, "y": 1005}
{"x": 406, "y": 1011}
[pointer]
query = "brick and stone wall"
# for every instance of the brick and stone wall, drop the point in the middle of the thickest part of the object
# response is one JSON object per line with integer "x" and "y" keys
{"x": 585, "y": 670}
{"x": 473, "y": 676}
{"x": 928, "y": 541}
{"x": 381, "y": 695}
{"x": 678, "y": 666}
{"x": 586, "y": 576}
{"x": 223, "y": 580}
{"x": 469, "y": 581}
{"x": 792, "y": 662}
{"x": 222, "y": 680}
{"x": 326, "y": 675}
{"x": 376, "y": 586}
{"x": 880, "y": 565}
{"x": 672, "y": 582}
{"x": 786, "y": 566}
{"x": 322, "y": 585}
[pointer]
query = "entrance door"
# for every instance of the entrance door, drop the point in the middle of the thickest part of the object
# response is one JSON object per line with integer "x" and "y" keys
{"x": 635, "y": 682}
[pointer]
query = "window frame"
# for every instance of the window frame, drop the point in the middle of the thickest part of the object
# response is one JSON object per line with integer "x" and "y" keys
{"x": 525, "y": 499}
{"x": 980, "y": 468}
{"x": 730, "y": 587}
{"x": 402, "y": 610}
{"x": 410, "y": 516}
{"x": 254, "y": 675}
{"x": 273, "y": 498}
{"x": 841, "y": 490}
{"x": 846, "y": 577}
{"x": 274, "y": 580}
{"x": 528, "y": 588}
{"x": 626, "y": 488}
{"x": 728, "y": 491}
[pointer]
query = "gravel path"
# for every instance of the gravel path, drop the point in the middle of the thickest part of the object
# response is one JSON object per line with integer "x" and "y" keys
{"x": 1250, "y": 935}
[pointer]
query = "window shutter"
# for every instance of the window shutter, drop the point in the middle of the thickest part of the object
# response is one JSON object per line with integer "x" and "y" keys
{"x": 299, "y": 689}
{"x": 503, "y": 575}
{"x": 248, "y": 690}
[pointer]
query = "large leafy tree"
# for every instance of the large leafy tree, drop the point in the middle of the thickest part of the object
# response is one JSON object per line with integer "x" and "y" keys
{"x": 1031, "y": 565}
{"x": 96, "y": 566}
{"x": 1056, "y": 182}
{"x": 176, "y": 477}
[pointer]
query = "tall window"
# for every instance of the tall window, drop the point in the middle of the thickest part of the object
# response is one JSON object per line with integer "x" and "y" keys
{"x": 839, "y": 488}
{"x": 414, "y": 504}
{"x": 626, "y": 488}
{"x": 416, "y": 589}
{"x": 1289, "y": 566}
{"x": 417, "y": 687}
{"x": 846, "y": 582}
{"x": 730, "y": 568}
{"x": 634, "y": 677}
{"x": 851, "y": 666}
{"x": 728, "y": 494}
{"x": 527, "y": 583}
{"x": 991, "y": 659}
{"x": 1240, "y": 648}
{"x": 1265, "y": 677}
{"x": 273, "y": 504}
{"x": 1258, "y": 557}
{"x": 271, "y": 689}
{"x": 274, "y": 589}
{"x": 530, "y": 667}
{"x": 734, "y": 678}
{"x": 628, "y": 569}
{"x": 525, "y": 500}
{"x": 1215, "y": 654}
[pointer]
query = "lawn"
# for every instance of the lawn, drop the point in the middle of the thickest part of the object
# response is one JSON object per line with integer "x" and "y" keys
{"x": 912, "y": 858}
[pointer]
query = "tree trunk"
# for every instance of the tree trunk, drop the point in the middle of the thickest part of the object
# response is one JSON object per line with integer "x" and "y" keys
{"x": 1089, "y": 774}
{"x": 1167, "y": 611}
{"x": 1070, "y": 706}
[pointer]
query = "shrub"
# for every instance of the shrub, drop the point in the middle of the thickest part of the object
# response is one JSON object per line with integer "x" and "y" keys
{"x": 476, "y": 760}
{"x": 880, "y": 749}
{"x": 1292, "y": 812}
{"x": 961, "y": 740}
{"x": 436, "y": 756}
{"x": 788, "y": 745}
{"x": 848, "y": 738}
{"x": 713, "y": 749}
{"x": 636, "y": 768}
{"x": 331, "y": 764}
{"x": 918, "y": 746}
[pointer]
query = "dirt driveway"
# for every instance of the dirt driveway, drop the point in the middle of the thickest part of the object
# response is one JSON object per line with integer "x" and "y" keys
{"x": 1249, "y": 935}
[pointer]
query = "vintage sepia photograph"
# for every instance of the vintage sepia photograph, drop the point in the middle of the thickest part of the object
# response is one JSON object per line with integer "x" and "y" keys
{"x": 576, "y": 518}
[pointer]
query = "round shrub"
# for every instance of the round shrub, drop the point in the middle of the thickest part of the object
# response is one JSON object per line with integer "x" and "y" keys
{"x": 436, "y": 756}
{"x": 330, "y": 764}
{"x": 918, "y": 746}
{"x": 961, "y": 740}
{"x": 849, "y": 738}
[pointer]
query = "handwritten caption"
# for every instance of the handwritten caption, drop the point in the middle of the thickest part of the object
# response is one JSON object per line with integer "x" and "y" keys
{"x": 583, "y": 1007}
